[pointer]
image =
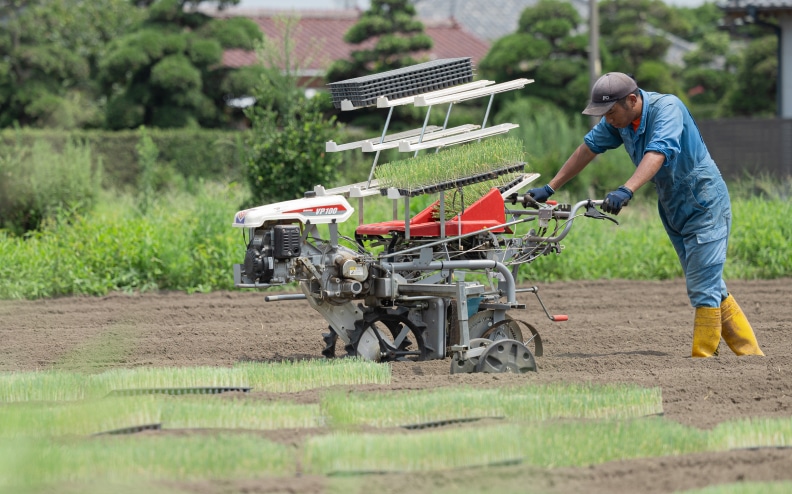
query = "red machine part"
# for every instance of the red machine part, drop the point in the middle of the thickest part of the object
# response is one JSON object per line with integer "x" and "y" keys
{"x": 487, "y": 212}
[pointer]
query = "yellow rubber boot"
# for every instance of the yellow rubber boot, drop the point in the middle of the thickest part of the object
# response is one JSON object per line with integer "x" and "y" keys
{"x": 737, "y": 331}
{"x": 706, "y": 331}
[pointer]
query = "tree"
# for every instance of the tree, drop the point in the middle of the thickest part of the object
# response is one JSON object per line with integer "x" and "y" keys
{"x": 709, "y": 73}
{"x": 286, "y": 148}
{"x": 633, "y": 33}
{"x": 544, "y": 48}
{"x": 623, "y": 27}
{"x": 757, "y": 80}
{"x": 48, "y": 54}
{"x": 389, "y": 36}
{"x": 168, "y": 74}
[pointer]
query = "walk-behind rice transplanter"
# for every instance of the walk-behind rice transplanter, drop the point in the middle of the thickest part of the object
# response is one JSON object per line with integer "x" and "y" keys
{"x": 397, "y": 290}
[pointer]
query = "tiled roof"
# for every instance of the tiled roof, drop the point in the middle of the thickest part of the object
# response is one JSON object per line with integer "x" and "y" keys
{"x": 487, "y": 20}
{"x": 319, "y": 39}
{"x": 737, "y": 9}
{"x": 759, "y": 4}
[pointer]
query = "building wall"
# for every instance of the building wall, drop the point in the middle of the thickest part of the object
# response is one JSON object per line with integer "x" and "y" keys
{"x": 744, "y": 146}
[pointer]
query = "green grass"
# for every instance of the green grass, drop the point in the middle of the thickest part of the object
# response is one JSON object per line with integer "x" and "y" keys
{"x": 27, "y": 463}
{"x": 82, "y": 418}
{"x": 284, "y": 377}
{"x": 544, "y": 445}
{"x": 523, "y": 403}
{"x": 111, "y": 414}
{"x": 186, "y": 242}
{"x": 338, "y": 409}
{"x": 752, "y": 433}
{"x": 546, "y": 426}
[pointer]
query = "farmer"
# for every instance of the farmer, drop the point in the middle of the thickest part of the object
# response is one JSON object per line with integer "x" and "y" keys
{"x": 666, "y": 147}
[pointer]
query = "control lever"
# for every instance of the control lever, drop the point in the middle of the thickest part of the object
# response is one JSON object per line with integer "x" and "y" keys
{"x": 593, "y": 212}
{"x": 527, "y": 200}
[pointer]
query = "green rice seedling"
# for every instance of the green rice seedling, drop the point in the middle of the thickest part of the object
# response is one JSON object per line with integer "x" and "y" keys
{"x": 581, "y": 401}
{"x": 111, "y": 414}
{"x": 412, "y": 407}
{"x": 81, "y": 418}
{"x": 752, "y": 433}
{"x": 282, "y": 377}
{"x": 170, "y": 377}
{"x": 458, "y": 200}
{"x": 543, "y": 445}
{"x": 207, "y": 413}
{"x": 530, "y": 402}
{"x": 744, "y": 488}
{"x": 28, "y": 463}
{"x": 451, "y": 164}
{"x": 292, "y": 376}
{"x": 48, "y": 385}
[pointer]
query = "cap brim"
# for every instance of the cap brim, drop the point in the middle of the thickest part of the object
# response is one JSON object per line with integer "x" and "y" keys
{"x": 598, "y": 109}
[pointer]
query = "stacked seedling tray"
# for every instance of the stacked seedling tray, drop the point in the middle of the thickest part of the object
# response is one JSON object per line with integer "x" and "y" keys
{"x": 400, "y": 83}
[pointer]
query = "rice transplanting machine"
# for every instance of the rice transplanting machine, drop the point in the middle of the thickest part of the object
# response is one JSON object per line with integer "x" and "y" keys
{"x": 398, "y": 289}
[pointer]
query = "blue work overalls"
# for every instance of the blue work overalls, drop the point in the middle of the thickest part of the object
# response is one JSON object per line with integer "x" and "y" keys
{"x": 693, "y": 200}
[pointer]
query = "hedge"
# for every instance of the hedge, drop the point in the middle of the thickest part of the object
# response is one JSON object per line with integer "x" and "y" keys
{"x": 194, "y": 153}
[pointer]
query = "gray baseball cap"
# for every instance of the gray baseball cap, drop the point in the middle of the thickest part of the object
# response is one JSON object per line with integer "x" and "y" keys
{"x": 609, "y": 89}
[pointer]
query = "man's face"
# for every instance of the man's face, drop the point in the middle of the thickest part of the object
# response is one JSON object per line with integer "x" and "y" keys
{"x": 623, "y": 112}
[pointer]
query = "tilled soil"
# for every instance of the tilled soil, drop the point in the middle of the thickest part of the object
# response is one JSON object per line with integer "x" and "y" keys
{"x": 618, "y": 331}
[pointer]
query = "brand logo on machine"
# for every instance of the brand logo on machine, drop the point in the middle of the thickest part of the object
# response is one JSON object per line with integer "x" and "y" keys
{"x": 323, "y": 211}
{"x": 240, "y": 217}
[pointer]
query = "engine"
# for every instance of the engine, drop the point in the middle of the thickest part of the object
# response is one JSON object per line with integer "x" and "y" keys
{"x": 276, "y": 255}
{"x": 270, "y": 254}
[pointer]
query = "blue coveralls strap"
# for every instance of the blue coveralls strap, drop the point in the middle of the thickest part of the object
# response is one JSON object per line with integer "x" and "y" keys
{"x": 693, "y": 200}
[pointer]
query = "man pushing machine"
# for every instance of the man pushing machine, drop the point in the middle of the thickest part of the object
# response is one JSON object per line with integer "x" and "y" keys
{"x": 667, "y": 149}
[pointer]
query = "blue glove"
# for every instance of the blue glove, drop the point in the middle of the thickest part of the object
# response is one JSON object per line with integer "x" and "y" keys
{"x": 616, "y": 200}
{"x": 541, "y": 194}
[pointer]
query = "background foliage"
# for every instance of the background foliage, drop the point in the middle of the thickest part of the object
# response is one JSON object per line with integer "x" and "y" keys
{"x": 167, "y": 73}
{"x": 85, "y": 210}
{"x": 38, "y": 183}
{"x": 286, "y": 148}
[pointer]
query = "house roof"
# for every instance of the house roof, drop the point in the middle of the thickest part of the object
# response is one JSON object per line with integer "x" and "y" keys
{"x": 487, "y": 20}
{"x": 319, "y": 38}
{"x": 759, "y": 4}
{"x": 738, "y": 9}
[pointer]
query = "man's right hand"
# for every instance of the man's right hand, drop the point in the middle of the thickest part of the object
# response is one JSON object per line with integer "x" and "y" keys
{"x": 541, "y": 194}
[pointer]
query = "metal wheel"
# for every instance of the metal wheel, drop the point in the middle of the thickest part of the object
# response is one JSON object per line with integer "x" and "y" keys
{"x": 384, "y": 338}
{"x": 506, "y": 356}
{"x": 480, "y": 325}
{"x": 468, "y": 365}
{"x": 508, "y": 329}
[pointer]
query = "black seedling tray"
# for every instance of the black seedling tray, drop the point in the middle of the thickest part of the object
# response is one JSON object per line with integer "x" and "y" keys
{"x": 206, "y": 390}
{"x": 400, "y": 83}
{"x": 459, "y": 182}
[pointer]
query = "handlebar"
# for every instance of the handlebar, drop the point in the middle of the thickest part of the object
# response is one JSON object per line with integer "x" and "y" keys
{"x": 545, "y": 212}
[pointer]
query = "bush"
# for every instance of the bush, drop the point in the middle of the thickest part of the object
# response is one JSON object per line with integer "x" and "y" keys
{"x": 194, "y": 153}
{"x": 39, "y": 182}
{"x": 287, "y": 152}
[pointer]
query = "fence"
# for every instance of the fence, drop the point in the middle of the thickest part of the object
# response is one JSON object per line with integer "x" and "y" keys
{"x": 745, "y": 146}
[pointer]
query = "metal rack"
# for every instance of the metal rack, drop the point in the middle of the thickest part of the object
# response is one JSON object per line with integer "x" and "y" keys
{"x": 423, "y": 138}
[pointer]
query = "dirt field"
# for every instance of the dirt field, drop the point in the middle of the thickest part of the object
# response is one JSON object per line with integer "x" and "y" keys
{"x": 618, "y": 331}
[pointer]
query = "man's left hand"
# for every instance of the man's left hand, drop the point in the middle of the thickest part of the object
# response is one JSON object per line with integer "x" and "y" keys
{"x": 616, "y": 200}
